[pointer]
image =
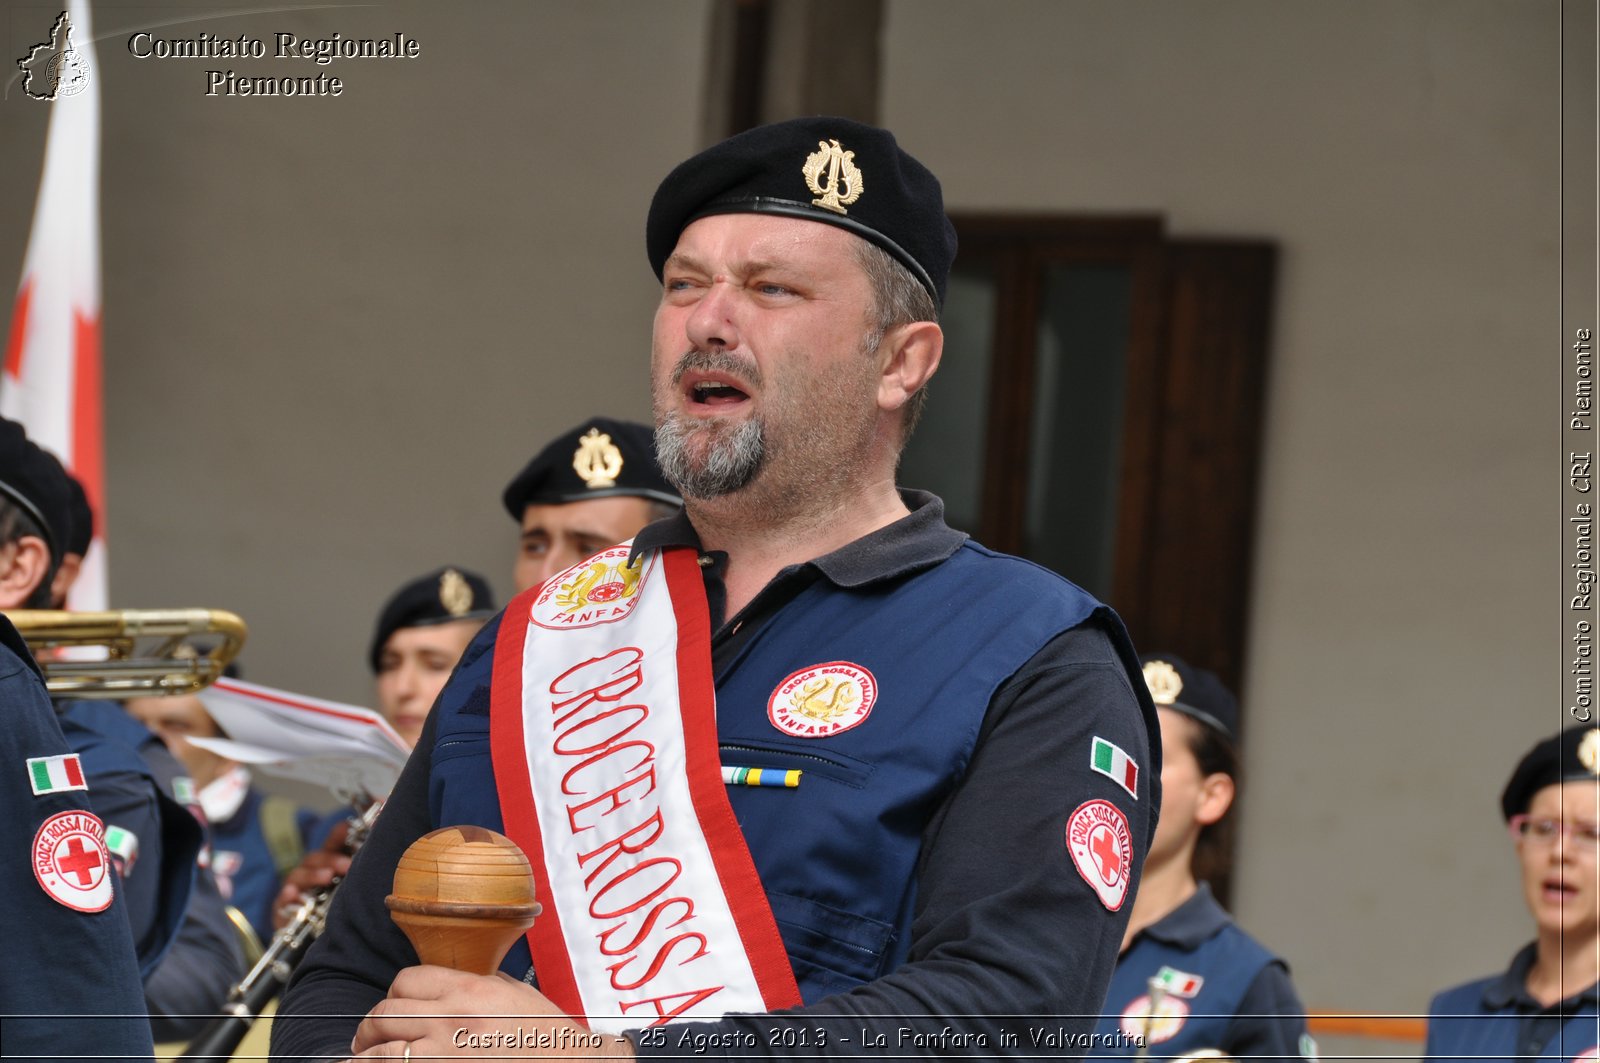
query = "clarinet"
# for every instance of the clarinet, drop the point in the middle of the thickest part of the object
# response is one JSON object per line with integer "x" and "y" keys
{"x": 266, "y": 979}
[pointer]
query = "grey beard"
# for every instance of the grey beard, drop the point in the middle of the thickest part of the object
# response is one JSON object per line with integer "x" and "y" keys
{"x": 732, "y": 459}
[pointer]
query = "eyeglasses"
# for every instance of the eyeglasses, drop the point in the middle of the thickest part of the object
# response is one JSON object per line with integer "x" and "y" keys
{"x": 1542, "y": 830}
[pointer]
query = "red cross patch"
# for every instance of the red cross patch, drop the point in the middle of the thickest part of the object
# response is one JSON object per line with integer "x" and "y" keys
{"x": 1102, "y": 849}
{"x": 71, "y": 861}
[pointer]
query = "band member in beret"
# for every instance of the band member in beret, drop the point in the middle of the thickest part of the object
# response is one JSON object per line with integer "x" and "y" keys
{"x": 805, "y": 771}
{"x": 1544, "y": 1006}
{"x": 589, "y": 488}
{"x": 420, "y": 636}
{"x": 70, "y": 987}
{"x": 1189, "y": 979}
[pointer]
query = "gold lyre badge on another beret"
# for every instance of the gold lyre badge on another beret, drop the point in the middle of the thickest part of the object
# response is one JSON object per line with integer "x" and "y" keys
{"x": 455, "y": 593}
{"x": 1164, "y": 682}
{"x": 842, "y": 172}
{"x": 597, "y": 461}
{"x": 1589, "y": 752}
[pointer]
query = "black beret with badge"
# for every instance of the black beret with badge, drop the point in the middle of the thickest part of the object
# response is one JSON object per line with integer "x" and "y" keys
{"x": 1571, "y": 756}
{"x": 1176, "y": 684}
{"x": 601, "y": 458}
{"x": 831, "y": 170}
{"x": 440, "y": 597}
{"x": 34, "y": 480}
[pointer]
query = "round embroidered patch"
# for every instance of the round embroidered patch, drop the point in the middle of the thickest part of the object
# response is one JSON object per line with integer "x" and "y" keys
{"x": 601, "y": 590}
{"x": 1102, "y": 849}
{"x": 822, "y": 700}
{"x": 71, "y": 861}
{"x": 1157, "y": 1025}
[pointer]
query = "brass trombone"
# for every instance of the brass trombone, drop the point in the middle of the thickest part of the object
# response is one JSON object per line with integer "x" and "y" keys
{"x": 149, "y": 652}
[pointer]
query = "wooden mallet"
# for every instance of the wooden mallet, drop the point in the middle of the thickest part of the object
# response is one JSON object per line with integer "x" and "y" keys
{"x": 463, "y": 895}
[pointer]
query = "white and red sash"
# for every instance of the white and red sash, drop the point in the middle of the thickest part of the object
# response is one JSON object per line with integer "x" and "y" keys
{"x": 604, "y": 743}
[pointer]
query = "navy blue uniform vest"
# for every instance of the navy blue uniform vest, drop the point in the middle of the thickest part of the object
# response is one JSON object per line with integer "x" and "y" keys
{"x": 870, "y": 789}
{"x": 1493, "y": 1019}
{"x": 1204, "y": 1013}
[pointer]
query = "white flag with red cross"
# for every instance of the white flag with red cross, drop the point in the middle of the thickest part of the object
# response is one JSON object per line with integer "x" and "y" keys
{"x": 51, "y": 377}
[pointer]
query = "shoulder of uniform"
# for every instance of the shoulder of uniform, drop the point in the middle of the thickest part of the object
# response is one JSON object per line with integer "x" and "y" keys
{"x": 1026, "y": 575}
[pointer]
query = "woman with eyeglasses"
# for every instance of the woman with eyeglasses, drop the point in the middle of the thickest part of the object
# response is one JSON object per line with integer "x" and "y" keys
{"x": 1544, "y": 1006}
{"x": 1189, "y": 982}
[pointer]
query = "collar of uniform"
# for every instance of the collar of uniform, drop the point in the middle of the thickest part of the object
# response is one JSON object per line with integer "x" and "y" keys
{"x": 1511, "y": 988}
{"x": 919, "y": 540}
{"x": 1194, "y": 921}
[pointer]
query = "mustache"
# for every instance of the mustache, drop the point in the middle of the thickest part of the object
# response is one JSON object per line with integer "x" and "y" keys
{"x": 715, "y": 361}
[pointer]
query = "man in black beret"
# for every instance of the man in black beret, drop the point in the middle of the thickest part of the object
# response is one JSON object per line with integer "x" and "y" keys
{"x": 589, "y": 488}
{"x": 69, "y": 946}
{"x": 1546, "y": 1004}
{"x": 804, "y": 765}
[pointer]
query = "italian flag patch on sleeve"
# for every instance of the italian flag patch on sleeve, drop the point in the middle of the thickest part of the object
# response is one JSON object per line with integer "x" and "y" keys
{"x": 51, "y": 775}
{"x": 1109, "y": 760}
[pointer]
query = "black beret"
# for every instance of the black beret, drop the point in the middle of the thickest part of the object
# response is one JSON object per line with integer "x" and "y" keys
{"x": 831, "y": 170}
{"x": 33, "y": 479}
{"x": 1176, "y": 684}
{"x": 442, "y": 596}
{"x": 600, "y": 458}
{"x": 1572, "y": 755}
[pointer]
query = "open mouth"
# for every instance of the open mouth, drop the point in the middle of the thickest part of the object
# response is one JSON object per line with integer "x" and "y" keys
{"x": 1557, "y": 891}
{"x": 712, "y": 390}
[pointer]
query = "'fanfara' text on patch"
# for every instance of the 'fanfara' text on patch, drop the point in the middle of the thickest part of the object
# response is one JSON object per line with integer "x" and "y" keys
{"x": 822, "y": 700}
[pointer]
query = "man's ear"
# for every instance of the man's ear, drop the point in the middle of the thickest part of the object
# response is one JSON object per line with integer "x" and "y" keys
{"x": 911, "y": 355}
{"x": 23, "y": 566}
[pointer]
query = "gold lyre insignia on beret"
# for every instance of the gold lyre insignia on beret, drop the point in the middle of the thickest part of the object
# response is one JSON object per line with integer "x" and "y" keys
{"x": 1164, "y": 682}
{"x": 842, "y": 171}
{"x": 455, "y": 593}
{"x": 1589, "y": 752}
{"x": 597, "y": 461}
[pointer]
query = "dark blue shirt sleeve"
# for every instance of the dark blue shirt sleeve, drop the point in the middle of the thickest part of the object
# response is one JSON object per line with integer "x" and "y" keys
{"x": 58, "y": 961}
